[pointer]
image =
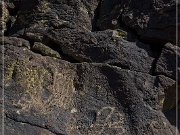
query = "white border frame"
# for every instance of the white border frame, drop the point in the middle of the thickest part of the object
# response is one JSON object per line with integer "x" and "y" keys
{"x": 3, "y": 26}
{"x": 177, "y": 33}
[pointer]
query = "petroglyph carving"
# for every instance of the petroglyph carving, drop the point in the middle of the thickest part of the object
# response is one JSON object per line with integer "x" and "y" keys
{"x": 63, "y": 91}
{"x": 109, "y": 121}
{"x": 60, "y": 93}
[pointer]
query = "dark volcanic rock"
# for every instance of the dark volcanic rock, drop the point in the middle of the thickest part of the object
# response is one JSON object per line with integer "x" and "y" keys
{"x": 45, "y": 50}
{"x": 19, "y": 128}
{"x": 167, "y": 63}
{"x": 153, "y": 20}
{"x": 88, "y": 67}
{"x": 45, "y": 15}
{"x": 30, "y": 96}
{"x": 19, "y": 42}
{"x": 168, "y": 84}
{"x": 83, "y": 98}
{"x": 102, "y": 47}
{"x": 4, "y": 17}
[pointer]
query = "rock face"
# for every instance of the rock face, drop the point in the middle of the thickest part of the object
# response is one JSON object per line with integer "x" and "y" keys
{"x": 166, "y": 63}
{"x": 89, "y": 67}
{"x": 153, "y": 20}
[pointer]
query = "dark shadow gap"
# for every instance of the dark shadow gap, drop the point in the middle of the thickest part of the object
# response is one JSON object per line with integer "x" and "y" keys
{"x": 169, "y": 105}
{"x": 156, "y": 49}
{"x": 132, "y": 35}
{"x": 96, "y": 17}
{"x": 13, "y": 8}
{"x": 54, "y": 46}
{"x": 171, "y": 116}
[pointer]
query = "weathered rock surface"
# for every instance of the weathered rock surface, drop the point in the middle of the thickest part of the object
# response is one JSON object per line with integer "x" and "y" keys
{"x": 102, "y": 47}
{"x": 45, "y": 50}
{"x": 153, "y": 20}
{"x": 54, "y": 14}
{"x": 4, "y": 17}
{"x": 167, "y": 63}
{"x": 19, "y": 128}
{"x": 88, "y": 67}
{"x": 67, "y": 98}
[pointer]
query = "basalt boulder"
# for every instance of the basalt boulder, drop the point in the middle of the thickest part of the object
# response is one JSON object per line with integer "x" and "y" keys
{"x": 88, "y": 67}
{"x": 53, "y": 96}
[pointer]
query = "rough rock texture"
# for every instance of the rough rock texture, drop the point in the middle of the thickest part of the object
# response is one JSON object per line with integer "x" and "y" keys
{"x": 20, "y": 128}
{"x": 89, "y": 67}
{"x": 153, "y": 20}
{"x": 166, "y": 63}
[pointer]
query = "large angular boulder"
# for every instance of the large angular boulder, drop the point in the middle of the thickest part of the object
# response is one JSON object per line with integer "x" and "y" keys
{"x": 168, "y": 63}
{"x": 102, "y": 47}
{"x": 53, "y": 96}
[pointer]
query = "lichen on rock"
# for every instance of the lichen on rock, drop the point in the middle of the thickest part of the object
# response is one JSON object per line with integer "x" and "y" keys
{"x": 89, "y": 67}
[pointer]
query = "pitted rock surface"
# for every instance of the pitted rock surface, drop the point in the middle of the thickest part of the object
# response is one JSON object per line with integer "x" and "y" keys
{"x": 89, "y": 67}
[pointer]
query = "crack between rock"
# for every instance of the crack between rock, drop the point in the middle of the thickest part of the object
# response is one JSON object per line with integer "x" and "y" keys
{"x": 161, "y": 73}
{"x": 96, "y": 16}
{"x": 114, "y": 66}
{"x": 127, "y": 69}
{"x": 34, "y": 125}
{"x": 68, "y": 59}
{"x": 157, "y": 51}
{"x": 38, "y": 52}
{"x": 12, "y": 16}
{"x": 95, "y": 63}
